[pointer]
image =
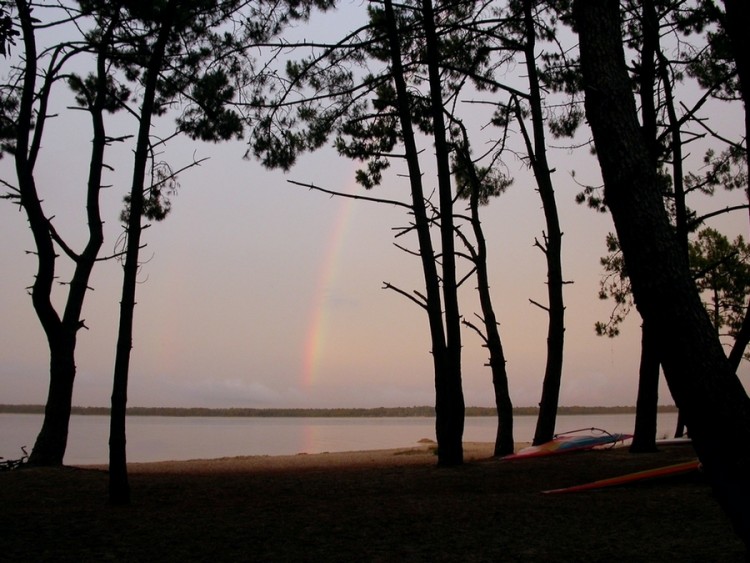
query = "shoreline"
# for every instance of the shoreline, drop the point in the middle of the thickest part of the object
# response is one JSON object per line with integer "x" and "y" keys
{"x": 421, "y": 454}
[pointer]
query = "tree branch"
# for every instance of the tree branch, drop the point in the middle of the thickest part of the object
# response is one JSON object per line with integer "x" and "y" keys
{"x": 539, "y": 305}
{"x": 714, "y": 134}
{"x": 422, "y": 302}
{"x": 476, "y": 329}
{"x": 466, "y": 277}
{"x": 69, "y": 252}
{"x": 351, "y": 196}
{"x": 698, "y": 220}
{"x": 539, "y": 245}
{"x": 404, "y": 249}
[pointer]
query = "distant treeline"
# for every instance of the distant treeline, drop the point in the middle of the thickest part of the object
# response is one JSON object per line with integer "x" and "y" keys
{"x": 426, "y": 411}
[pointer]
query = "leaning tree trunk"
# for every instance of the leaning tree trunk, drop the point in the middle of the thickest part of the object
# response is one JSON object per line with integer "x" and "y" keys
{"x": 119, "y": 487}
{"x": 504, "y": 442}
{"x": 741, "y": 340}
{"x": 646, "y": 409}
{"x": 704, "y": 385}
{"x": 736, "y": 25}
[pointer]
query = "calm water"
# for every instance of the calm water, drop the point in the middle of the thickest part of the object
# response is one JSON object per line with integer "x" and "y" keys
{"x": 155, "y": 438}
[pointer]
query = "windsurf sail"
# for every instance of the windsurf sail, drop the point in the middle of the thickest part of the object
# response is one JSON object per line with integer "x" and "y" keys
{"x": 572, "y": 441}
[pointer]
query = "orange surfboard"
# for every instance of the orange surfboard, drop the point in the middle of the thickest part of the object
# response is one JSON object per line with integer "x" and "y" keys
{"x": 676, "y": 469}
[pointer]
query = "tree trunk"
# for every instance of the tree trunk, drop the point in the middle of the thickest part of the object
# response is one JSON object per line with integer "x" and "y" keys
{"x": 646, "y": 409}
{"x": 504, "y": 442}
{"x": 450, "y": 396}
{"x": 736, "y": 24}
{"x": 679, "y": 430}
{"x": 119, "y": 487}
{"x": 448, "y": 403}
{"x": 644, "y": 435}
{"x": 741, "y": 340}
{"x": 552, "y": 246}
{"x": 680, "y": 204}
{"x": 703, "y": 384}
{"x": 50, "y": 446}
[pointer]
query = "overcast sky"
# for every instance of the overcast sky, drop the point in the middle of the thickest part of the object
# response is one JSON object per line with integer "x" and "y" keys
{"x": 259, "y": 293}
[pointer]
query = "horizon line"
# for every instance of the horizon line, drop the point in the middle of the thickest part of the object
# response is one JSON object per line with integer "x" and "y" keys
{"x": 416, "y": 410}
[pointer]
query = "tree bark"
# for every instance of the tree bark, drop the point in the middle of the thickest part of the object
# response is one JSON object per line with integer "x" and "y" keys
{"x": 701, "y": 380}
{"x": 736, "y": 25}
{"x": 646, "y": 409}
{"x": 741, "y": 340}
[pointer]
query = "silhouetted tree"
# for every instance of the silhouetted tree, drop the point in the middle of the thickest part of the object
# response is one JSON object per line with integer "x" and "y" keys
{"x": 703, "y": 383}
{"x": 26, "y": 113}
{"x": 162, "y": 19}
{"x": 650, "y": 28}
{"x": 721, "y": 270}
{"x": 479, "y": 184}
{"x": 178, "y": 53}
{"x": 526, "y": 30}
{"x": 377, "y": 114}
{"x": 536, "y": 149}
{"x": 735, "y": 24}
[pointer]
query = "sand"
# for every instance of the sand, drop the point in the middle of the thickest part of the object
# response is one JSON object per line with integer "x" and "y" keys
{"x": 385, "y": 505}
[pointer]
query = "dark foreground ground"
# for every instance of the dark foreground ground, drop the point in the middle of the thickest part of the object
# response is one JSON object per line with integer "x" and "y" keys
{"x": 368, "y": 506}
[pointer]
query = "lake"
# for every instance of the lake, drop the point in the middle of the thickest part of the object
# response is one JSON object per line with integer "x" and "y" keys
{"x": 158, "y": 438}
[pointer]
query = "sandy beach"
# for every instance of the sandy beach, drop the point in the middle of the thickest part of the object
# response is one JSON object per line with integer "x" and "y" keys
{"x": 385, "y": 505}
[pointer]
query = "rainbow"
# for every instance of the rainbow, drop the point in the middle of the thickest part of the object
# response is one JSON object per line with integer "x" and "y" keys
{"x": 315, "y": 340}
